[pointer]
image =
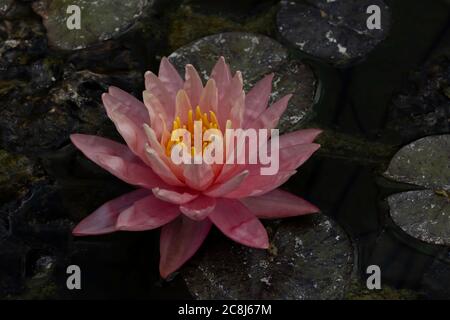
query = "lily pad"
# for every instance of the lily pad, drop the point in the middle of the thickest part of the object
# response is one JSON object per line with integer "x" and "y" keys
{"x": 309, "y": 258}
{"x": 423, "y": 214}
{"x": 100, "y": 20}
{"x": 255, "y": 56}
{"x": 424, "y": 162}
{"x": 334, "y": 31}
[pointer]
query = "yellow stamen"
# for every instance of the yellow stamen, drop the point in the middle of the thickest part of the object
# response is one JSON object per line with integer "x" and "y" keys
{"x": 190, "y": 121}
{"x": 214, "y": 119}
{"x": 208, "y": 121}
{"x": 198, "y": 113}
{"x": 205, "y": 119}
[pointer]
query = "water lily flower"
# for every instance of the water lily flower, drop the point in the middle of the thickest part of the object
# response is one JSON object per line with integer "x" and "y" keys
{"x": 187, "y": 199}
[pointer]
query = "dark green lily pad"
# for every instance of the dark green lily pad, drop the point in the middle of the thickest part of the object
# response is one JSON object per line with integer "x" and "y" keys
{"x": 425, "y": 162}
{"x": 100, "y": 20}
{"x": 335, "y": 31}
{"x": 423, "y": 214}
{"x": 309, "y": 258}
{"x": 255, "y": 56}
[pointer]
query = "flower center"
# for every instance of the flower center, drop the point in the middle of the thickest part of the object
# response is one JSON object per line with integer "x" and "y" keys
{"x": 208, "y": 121}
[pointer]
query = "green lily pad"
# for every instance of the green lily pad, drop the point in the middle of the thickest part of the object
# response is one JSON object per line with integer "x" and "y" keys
{"x": 310, "y": 257}
{"x": 255, "y": 56}
{"x": 100, "y": 20}
{"x": 423, "y": 214}
{"x": 425, "y": 162}
{"x": 334, "y": 31}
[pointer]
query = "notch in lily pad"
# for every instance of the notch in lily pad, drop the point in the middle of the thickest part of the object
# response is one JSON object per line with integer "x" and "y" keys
{"x": 423, "y": 214}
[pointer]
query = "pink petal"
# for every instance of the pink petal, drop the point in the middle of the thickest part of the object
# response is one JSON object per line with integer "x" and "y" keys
{"x": 155, "y": 108}
{"x": 257, "y": 99}
{"x": 132, "y": 132}
{"x": 103, "y": 220}
{"x": 239, "y": 224}
{"x": 256, "y": 185}
{"x": 154, "y": 85}
{"x": 237, "y": 110}
{"x": 170, "y": 77}
{"x": 198, "y": 176}
{"x": 179, "y": 241}
{"x": 278, "y": 204}
{"x": 92, "y": 145}
{"x": 161, "y": 169}
{"x": 174, "y": 196}
{"x": 182, "y": 105}
{"x": 234, "y": 92}
{"x": 165, "y": 137}
{"x": 293, "y": 157}
{"x": 153, "y": 140}
{"x": 193, "y": 84}
{"x": 132, "y": 173}
{"x": 146, "y": 214}
{"x": 222, "y": 75}
{"x": 209, "y": 97}
{"x": 134, "y": 109}
{"x": 270, "y": 117}
{"x": 117, "y": 159}
{"x": 198, "y": 209}
{"x": 222, "y": 189}
{"x": 290, "y": 157}
{"x": 304, "y": 136}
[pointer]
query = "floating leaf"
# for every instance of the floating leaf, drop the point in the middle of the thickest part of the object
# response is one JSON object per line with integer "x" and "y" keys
{"x": 310, "y": 257}
{"x": 335, "y": 31}
{"x": 423, "y": 214}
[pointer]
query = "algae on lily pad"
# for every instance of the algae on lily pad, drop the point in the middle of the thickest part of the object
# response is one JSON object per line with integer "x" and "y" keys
{"x": 310, "y": 257}
{"x": 334, "y": 31}
{"x": 423, "y": 214}
{"x": 99, "y": 20}
{"x": 256, "y": 55}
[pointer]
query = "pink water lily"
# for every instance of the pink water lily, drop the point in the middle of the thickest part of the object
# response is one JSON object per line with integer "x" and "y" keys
{"x": 187, "y": 199}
